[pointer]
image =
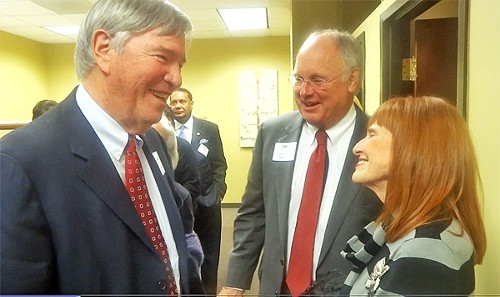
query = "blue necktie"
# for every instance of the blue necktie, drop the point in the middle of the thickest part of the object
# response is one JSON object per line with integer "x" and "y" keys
{"x": 181, "y": 134}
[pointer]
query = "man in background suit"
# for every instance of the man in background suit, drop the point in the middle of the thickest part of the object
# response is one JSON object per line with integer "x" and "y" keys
{"x": 42, "y": 107}
{"x": 325, "y": 79}
{"x": 204, "y": 136}
{"x": 68, "y": 222}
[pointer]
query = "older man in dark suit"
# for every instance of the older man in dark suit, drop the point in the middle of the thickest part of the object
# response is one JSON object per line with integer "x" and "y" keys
{"x": 301, "y": 220}
{"x": 204, "y": 136}
{"x": 87, "y": 206}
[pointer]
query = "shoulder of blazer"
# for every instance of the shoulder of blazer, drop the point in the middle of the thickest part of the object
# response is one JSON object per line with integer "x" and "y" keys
{"x": 201, "y": 123}
{"x": 283, "y": 124}
{"x": 63, "y": 124}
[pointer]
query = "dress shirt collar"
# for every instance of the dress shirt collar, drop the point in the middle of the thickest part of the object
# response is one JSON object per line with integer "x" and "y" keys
{"x": 188, "y": 124}
{"x": 335, "y": 132}
{"x": 112, "y": 135}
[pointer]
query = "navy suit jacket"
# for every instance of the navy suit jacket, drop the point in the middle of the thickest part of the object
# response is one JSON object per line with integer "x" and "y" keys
{"x": 213, "y": 174}
{"x": 67, "y": 223}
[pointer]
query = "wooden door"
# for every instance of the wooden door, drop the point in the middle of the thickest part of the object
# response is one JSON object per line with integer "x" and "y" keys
{"x": 435, "y": 49}
{"x": 441, "y": 50}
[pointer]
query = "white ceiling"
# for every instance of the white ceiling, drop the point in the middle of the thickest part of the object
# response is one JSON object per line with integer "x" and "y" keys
{"x": 27, "y": 18}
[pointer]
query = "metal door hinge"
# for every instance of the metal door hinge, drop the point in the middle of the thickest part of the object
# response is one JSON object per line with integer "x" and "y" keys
{"x": 409, "y": 69}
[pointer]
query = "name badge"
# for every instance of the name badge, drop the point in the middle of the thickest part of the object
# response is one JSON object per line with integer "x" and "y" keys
{"x": 203, "y": 149}
{"x": 158, "y": 161}
{"x": 284, "y": 152}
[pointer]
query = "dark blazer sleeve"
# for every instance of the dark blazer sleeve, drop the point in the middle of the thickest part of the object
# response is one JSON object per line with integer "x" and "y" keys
{"x": 210, "y": 132}
{"x": 29, "y": 269}
{"x": 187, "y": 172}
{"x": 218, "y": 162}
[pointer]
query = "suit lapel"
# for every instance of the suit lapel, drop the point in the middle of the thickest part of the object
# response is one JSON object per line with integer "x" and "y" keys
{"x": 197, "y": 133}
{"x": 152, "y": 143}
{"x": 347, "y": 190}
{"x": 113, "y": 193}
{"x": 291, "y": 133}
{"x": 163, "y": 187}
{"x": 99, "y": 172}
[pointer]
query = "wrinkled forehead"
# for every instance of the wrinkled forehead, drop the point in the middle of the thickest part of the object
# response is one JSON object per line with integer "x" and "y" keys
{"x": 319, "y": 55}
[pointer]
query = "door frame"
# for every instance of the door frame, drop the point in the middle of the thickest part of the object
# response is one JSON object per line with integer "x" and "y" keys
{"x": 391, "y": 60}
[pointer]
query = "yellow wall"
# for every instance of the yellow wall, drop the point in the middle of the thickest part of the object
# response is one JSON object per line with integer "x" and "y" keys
{"x": 484, "y": 122}
{"x": 31, "y": 71}
{"x": 61, "y": 76}
{"x": 482, "y": 110}
{"x": 212, "y": 75}
{"x": 42, "y": 71}
{"x": 23, "y": 79}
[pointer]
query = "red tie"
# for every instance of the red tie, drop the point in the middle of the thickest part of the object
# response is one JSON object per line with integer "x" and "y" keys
{"x": 299, "y": 275}
{"x": 136, "y": 187}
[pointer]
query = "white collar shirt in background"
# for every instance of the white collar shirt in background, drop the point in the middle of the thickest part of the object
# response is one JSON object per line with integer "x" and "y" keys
{"x": 338, "y": 140}
{"x": 188, "y": 129}
{"x": 115, "y": 138}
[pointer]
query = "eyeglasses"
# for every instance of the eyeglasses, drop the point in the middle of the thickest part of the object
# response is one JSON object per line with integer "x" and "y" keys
{"x": 317, "y": 83}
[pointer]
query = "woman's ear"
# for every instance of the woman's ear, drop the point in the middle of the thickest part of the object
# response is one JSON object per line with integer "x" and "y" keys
{"x": 101, "y": 47}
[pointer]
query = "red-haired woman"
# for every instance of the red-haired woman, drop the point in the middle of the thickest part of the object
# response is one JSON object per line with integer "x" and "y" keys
{"x": 419, "y": 160}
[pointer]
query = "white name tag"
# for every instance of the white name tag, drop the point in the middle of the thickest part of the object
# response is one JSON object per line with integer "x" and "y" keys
{"x": 203, "y": 149}
{"x": 284, "y": 152}
{"x": 158, "y": 161}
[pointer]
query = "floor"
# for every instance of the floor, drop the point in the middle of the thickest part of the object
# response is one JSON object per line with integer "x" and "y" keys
{"x": 228, "y": 214}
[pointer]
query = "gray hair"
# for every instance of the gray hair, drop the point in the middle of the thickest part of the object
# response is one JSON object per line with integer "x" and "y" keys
{"x": 122, "y": 19}
{"x": 348, "y": 46}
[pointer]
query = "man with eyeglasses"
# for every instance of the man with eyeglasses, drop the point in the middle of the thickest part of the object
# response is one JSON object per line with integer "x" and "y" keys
{"x": 325, "y": 80}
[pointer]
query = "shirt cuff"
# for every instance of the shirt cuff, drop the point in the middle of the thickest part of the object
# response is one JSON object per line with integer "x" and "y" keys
{"x": 237, "y": 289}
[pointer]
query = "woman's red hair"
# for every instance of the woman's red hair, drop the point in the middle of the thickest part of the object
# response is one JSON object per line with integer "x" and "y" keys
{"x": 434, "y": 174}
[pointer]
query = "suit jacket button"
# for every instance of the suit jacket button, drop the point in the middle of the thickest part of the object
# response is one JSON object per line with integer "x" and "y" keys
{"x": 282, "y": 261}
{"x": 276, "y": 293}
{"x": 162, "y": 285}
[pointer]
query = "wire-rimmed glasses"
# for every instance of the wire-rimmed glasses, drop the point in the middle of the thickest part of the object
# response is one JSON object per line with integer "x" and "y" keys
{"x": 317, "y": 83}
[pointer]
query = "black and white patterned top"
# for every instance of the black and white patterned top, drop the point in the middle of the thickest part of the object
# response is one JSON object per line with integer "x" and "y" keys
{"x": 431, "y": 260}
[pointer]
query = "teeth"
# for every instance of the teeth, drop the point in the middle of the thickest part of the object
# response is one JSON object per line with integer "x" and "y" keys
{"x": 160, "y": 95}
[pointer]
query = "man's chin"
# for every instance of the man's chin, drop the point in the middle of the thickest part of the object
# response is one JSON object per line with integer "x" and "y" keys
{"x": 181, "y": 118}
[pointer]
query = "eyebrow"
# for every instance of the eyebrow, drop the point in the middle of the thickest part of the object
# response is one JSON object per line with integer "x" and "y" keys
{"x": 170, "y": 52}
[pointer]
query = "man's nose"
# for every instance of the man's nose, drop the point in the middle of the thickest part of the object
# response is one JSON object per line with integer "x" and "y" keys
{"x": 306, "y": 88}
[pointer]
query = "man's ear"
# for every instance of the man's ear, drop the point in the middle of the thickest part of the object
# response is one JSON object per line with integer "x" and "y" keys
{"x": 353, "y": 80}
{"x": 101, "y": 41}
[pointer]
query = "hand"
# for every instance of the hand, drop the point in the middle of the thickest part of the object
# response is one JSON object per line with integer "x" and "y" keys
{"x": 230, "y": 292}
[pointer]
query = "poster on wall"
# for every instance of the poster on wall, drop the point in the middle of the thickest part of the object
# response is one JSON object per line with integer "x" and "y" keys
{"x": 258, "y": 96}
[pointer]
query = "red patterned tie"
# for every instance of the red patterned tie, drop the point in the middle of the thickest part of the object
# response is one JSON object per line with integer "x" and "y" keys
{"x": 299, "y": 275}
{"x": 136, "y": 187}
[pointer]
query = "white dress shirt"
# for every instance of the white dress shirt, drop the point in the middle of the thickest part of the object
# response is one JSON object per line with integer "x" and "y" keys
{"x": 188, "y": 128}
{"x": 338, "y": 140}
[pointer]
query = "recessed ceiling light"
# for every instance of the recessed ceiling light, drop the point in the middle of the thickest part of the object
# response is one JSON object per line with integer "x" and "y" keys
{"x": 244, "y": 18}
{"x": 64, "y": 30}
